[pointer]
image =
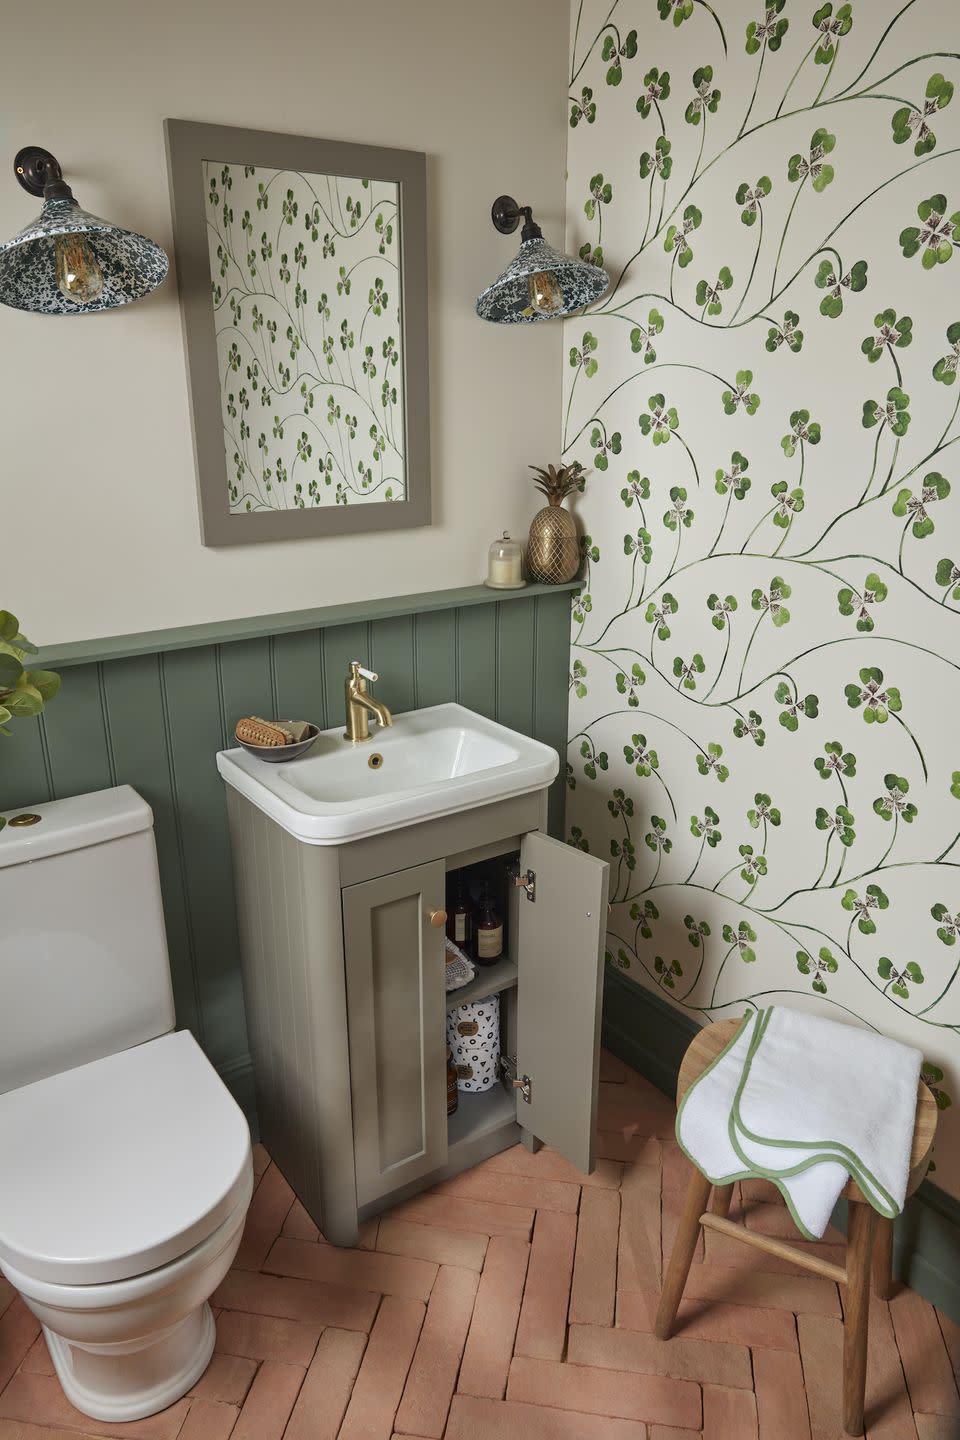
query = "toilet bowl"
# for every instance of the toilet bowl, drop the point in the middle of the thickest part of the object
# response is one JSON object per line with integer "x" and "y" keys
{"x": 129, "y": 1182}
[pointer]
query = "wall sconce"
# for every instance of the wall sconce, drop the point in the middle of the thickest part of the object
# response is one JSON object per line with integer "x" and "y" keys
{"x": 67, "y": 261}
{"x": 540, "y": 283}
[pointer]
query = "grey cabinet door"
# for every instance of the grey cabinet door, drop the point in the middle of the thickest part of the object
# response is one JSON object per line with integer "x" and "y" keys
{"x": 396, "y": 1019}
{"x": 560, "y": 961}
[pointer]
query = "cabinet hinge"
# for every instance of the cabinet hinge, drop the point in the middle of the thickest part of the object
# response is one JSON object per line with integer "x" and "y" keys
{"x": 508, "y": 1072}
{"x": 525, "y": 881}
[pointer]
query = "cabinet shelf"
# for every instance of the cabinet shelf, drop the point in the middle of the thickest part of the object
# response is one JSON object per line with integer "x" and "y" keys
{"x": 489, "y": 980}
{"x": 479, "y": 1114}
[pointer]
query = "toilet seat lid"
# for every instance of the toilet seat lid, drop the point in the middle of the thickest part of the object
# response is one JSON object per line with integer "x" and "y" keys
{"x": 117, "y": 1167}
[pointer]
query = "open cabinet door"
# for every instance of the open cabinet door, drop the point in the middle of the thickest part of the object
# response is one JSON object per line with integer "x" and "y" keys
{"x": 560, "y": 986}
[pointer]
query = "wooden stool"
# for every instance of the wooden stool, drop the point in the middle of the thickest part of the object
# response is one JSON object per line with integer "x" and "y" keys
{"x": 869, "y": 1235}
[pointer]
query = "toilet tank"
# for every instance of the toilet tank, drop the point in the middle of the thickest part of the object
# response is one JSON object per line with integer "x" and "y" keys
{"x": 83, "y": 953}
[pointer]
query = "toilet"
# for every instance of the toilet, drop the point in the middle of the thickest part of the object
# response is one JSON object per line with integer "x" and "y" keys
{"x": 125, "y": 1163}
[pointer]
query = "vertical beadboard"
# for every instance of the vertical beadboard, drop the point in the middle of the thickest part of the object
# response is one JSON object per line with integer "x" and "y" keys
{"x": 156, "y": 720}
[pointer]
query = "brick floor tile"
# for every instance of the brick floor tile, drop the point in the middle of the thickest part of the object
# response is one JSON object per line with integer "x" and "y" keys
{"x": 542, "y": 1328}
{"x": 781, "y": 1401}
{"x": 593, "y": 1292}
{"x": 547, "y": 1164}
{"x": 310, "y": 1301}
{"x": 926, "y": 1364}
{"x": 23, "y": 1430}
{"x": 633, "y": 1111}
{"x": 298, "y": 1225}
{"x": 710, "y": 1362}
{"x": 633, "y": 1149}
{"x": 325, "y": 1393}
{"x": 803, "y": 1294}
{"x": 37, "y": 1359}
{"x": 266, "y": 1337}
{"x": 365, "y": 1269}
{"x": 951, "y": 1338}
{"x": 19, "y": 1328}
{"x": 271, "y": 1202}
{"x": 728, "y": 1412}
{"x": 453, "y": 1213}
{"x": 710, "y": 1320}
{"x": 268, "y": 1405}
{"x": 639, "y": 1258}
{"x": 669, "y": 1432}
{"x": 383, "y": 1371}
{"x": 472, "y": 1419}
{"x": 7, "y": 1293}
{"x": 935, "y": 1427}
{"x": 821, "y": 1352}
{"x": 226, "y": 1378}
{"x": 209, "y": 1420}
{"x": 489, "y": 1347}
{"x": 500, "y": 1187}
{"x": 433, "y": 1372}
{"x": 261, "y": 1162}
{"x": 888, "y": 1414}
{"x": 621, "y": 1393}
{"x": 612, "y": 1070}
{"x": 465, "y": 1248}
{"x": 39, "y": 1399}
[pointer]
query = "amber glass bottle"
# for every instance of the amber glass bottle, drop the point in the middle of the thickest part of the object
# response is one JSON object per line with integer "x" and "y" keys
{"x": 489, "y": 944}
{"x": 460, "y": 916}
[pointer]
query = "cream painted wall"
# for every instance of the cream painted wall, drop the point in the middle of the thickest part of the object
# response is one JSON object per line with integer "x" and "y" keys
{"x": 100, "y": 529}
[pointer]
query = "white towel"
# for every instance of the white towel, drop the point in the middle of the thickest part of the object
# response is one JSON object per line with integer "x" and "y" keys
{"x": 807, "y": 1103}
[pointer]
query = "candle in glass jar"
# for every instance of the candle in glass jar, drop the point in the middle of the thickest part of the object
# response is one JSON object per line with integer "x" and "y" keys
{"x": 505, "y": 564}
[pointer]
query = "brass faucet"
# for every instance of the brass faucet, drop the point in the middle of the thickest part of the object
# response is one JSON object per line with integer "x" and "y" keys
{"x": 360, "y": 705}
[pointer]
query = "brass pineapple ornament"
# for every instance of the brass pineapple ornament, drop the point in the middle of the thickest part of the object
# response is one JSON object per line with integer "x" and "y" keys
{"x": 553, "y": 547}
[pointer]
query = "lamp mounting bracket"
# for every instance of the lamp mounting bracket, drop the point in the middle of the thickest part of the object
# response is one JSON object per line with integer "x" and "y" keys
{"x": 506, "y": 215}
{"x": 37, "y": 169}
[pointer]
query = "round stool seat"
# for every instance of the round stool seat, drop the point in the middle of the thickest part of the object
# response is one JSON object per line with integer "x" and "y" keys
{"x": 705, "y": 1048}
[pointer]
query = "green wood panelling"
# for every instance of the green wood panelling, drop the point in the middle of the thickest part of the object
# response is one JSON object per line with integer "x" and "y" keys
{"x": 515, "y": 679}
{"x": 391, "y": 656}
{"x": 477, "y": 659}
{"x": 154, "y": 717}
{"x": 435, "y": 644}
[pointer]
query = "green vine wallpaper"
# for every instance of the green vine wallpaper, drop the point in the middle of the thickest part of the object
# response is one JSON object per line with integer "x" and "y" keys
{"x": 766, "y": 674}
{"x": 306, "y": 299}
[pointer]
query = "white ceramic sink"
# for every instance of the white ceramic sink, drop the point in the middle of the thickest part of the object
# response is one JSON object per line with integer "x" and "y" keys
{"x": 432, "y": 762}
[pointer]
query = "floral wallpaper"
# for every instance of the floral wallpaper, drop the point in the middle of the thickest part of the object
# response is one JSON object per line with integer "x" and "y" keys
{"x": 766, "y": 655}
{"x": 306, "y": 300}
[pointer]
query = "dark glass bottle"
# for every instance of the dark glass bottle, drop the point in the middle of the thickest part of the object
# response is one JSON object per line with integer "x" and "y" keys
{"x": 489, "y": 942}
{"x": 460, "y": 916}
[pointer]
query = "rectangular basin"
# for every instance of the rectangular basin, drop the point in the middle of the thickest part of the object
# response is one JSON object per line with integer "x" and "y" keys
{"x": 428, "y": 763}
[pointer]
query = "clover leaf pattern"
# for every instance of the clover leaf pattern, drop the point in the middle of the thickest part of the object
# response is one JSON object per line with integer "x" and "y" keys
{"x": 300, "y": 271}
{"x": 794, "y": 627}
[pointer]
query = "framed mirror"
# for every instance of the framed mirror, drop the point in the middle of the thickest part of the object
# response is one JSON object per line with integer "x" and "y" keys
{"x": 302, "y": 272}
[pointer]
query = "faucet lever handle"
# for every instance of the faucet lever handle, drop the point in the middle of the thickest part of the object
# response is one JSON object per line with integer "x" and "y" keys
{"x": 361, "y": 670}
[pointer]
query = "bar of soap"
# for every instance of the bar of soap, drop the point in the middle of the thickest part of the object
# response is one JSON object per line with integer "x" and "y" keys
{"x": 295, "y": 730}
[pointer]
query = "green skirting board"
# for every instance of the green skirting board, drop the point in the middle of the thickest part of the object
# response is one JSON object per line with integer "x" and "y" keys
{"x": 652, "y": 1036}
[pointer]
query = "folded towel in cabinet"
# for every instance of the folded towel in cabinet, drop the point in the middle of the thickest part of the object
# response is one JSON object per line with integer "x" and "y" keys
{"x": 807, "y": 1103}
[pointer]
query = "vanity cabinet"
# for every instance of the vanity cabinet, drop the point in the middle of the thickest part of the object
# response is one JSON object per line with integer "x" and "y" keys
{"x": 343, "y": 960}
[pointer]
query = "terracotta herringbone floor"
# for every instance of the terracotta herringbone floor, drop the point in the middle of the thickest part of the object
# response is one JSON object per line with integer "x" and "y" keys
{"x": 516, "y": 1303}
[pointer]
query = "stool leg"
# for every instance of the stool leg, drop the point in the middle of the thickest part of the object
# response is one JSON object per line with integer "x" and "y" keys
{"x": 695, "y": 1203}
{"x": 861, "y": 1227}
{"x": 883, "y": 1260}
{"x": 721, "y": 1200}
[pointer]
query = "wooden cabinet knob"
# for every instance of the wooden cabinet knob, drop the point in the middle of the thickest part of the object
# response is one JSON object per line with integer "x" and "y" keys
{"x": 437, "y": 918}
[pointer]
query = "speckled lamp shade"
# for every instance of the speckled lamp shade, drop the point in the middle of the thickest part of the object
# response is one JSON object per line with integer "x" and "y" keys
{"x": 562, "y": 283}
{"x": 130, "y": 264}
{"x": 507, "y": 300}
